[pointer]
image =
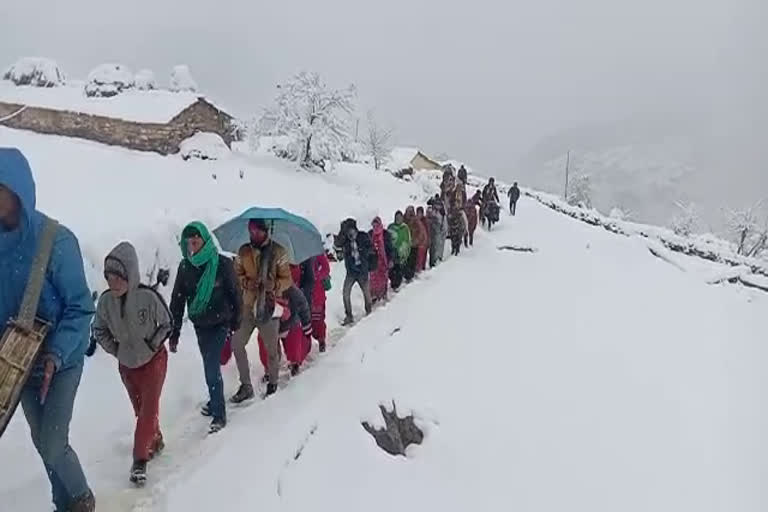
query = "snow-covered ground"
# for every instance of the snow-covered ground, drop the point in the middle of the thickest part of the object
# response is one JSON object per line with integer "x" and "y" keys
{"x": 587, "y": 375}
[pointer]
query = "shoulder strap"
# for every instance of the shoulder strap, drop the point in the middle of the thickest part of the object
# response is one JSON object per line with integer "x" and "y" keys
{"x": 34, "y": 287}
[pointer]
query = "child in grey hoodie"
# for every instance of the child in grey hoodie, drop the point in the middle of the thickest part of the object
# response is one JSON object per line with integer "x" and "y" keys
{"x": 132, "y": 323}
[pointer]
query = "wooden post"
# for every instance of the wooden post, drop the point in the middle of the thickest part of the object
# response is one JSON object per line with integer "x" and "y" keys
{"x": 567, "y": 165}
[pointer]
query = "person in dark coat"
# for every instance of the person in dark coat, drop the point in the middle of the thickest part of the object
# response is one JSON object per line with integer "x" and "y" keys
{"x": 358, "y": 252}
{"x": 207, "y": 287}
{"x": 490, "y": 193}
{"x": 514, "y": 195}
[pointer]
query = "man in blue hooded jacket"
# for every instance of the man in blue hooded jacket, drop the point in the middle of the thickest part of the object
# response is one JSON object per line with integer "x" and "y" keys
{"x": 65, "y": 302}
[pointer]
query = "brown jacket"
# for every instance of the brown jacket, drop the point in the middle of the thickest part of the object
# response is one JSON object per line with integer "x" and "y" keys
{"x": 248, "y": 272}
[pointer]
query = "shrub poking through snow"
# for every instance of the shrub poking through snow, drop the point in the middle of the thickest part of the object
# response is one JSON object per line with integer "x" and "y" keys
{"x": 108, "y": 80}
{"x": 35, "y": 71}
{"x": 204, "y": 146}
{"x": 397, "y": 434}
{"x": 145, "y": 80}
{"x": 181, "y": 79}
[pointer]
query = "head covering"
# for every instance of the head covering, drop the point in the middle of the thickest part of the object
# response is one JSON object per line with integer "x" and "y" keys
{"x": 207, "y": 257}
{"x": 16, "y": 176}
{"x": 123, "y": 262}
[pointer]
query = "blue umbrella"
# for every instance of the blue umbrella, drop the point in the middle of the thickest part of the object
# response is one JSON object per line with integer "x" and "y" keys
{"x": 300, "y": 237}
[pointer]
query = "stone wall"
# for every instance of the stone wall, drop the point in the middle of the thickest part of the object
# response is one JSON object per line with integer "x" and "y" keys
{"x": 159, "y": 138}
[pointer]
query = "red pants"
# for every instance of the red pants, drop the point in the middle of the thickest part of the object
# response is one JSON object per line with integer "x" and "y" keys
{"x": 144, "y": 385}
{"x": 319, "y": 329}
{"x": 296, "y": 347}
{"x": 421, "y": 258}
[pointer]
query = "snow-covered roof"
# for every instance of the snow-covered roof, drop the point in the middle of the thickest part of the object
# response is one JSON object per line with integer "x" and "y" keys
{"x": 401, "y": 157}
{"x": 132, "y": 105}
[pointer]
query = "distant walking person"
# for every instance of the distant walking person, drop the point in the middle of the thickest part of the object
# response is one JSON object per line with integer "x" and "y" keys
{"x": 132, "y": 323}
{"x": 206, "y": 286}
{"x": 322, "y": 271}
{"x": 49, "y": 394}
{"x": 358, "y": 252}
{"x": 514, "y": 195}
{"x": 385, "y": 251}
{"x": 401, "y": 239}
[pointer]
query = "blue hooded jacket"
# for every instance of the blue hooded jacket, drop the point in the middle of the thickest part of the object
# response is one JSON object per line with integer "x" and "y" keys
{"x": 65, "y": 301}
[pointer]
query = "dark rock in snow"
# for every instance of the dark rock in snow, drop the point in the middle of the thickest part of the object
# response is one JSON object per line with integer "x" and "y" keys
{"x": 398, "y": 434}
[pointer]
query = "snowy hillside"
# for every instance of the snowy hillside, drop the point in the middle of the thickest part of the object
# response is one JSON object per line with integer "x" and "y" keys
{"x": 644, "y": 169}
{"x": 585, "y": 375}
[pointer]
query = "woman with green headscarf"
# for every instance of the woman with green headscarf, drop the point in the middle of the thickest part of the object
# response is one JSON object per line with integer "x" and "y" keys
{"x": 206, "y": 286}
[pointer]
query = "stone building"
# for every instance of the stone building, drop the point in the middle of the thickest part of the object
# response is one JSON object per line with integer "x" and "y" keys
{"x": 155, "y": 121}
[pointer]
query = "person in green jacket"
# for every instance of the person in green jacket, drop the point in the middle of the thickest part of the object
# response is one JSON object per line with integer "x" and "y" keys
{"x": 401, "y": 239}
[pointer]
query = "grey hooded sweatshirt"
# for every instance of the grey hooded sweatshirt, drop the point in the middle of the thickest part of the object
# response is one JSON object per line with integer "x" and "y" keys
{"x": 132, "y": 327}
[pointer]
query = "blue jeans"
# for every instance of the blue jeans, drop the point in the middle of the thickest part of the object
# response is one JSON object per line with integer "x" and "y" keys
{"x": 211, "y": 342}
{"x": 49, "y": 425}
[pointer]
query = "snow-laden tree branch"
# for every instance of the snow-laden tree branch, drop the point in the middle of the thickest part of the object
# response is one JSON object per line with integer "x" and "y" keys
{"x": 379, "y": 141}
{"x": 580, "y": 189}
{"x": 315, "y": 118}
{"x": 686, "y": 222}
{"x": 748, "y": 230}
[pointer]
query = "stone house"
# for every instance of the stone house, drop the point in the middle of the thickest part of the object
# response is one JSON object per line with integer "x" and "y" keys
{"x": 155, "y": 121}
{"x": 411, "y": 158}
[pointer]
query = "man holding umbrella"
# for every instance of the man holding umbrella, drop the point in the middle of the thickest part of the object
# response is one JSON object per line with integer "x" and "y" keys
{"x": 263, "y": 272}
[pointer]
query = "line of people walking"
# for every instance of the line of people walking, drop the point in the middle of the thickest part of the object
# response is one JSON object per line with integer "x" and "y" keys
{"x": 225, "y": 299}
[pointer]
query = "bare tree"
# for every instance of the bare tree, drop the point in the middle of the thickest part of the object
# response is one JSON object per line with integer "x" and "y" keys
{"x": 378, "y": 143}
{"x": 748, "y": 230}
{"x": 686, "y": 222}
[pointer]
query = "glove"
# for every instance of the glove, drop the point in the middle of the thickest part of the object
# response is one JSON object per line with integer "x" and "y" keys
{"x": 173, "y": 343}
{"x": 307, "y": 330}
{"x": 91, "y": 348}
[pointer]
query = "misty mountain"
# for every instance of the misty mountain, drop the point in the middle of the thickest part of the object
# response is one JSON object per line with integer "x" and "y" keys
{"x": 646, "y": 165}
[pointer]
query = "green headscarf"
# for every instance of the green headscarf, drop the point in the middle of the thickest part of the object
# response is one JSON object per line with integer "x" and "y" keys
{"x": 208, "y": 257}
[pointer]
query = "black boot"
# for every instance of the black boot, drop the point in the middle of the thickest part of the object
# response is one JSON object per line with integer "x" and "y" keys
{"x": 271, "y": 389}
{"x": 348, "y": 321}
{"x": 206, "y": 410}
{"x": 217, "y": 425}
{"x": 244, "y": 393}
{"x": 84, "y": 503}
{"x": 321, "y": 345}
{"x": 294, "y": 369}
{"x": 139, "y": 472}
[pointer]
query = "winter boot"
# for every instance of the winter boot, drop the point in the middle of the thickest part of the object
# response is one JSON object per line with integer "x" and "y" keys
{"x": 206, "y": 410}
{"x": 244, "y": 393}
{"x": 139, "y": 472}
{"x": 271, "y": 389}
{"x": 294, "y": 369}
{"x": 348, "y": 321}
{"x": 321, "y": 345}
{"x": 217, "y": 425}
{"x": 84, "y": 503}
{"x": 265, "y": 379}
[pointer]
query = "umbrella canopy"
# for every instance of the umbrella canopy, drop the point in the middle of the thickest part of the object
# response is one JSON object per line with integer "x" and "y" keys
{"x": 300, "y": 237}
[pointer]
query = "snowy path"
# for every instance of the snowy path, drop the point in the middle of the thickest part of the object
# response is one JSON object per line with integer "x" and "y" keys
{"x": 588, "y": 375}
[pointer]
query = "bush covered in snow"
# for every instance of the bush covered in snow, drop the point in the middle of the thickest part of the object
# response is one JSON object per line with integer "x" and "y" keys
{"x": 109, "y": 80}
{"x": 204, "y": 146}
{"x": 181, "y": 80}
{"x": 35, "y": 71}
{"x": 145, "y": 80}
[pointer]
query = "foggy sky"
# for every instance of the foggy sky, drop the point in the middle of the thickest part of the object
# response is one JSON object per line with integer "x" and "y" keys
{"x": 481, "y": 80}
